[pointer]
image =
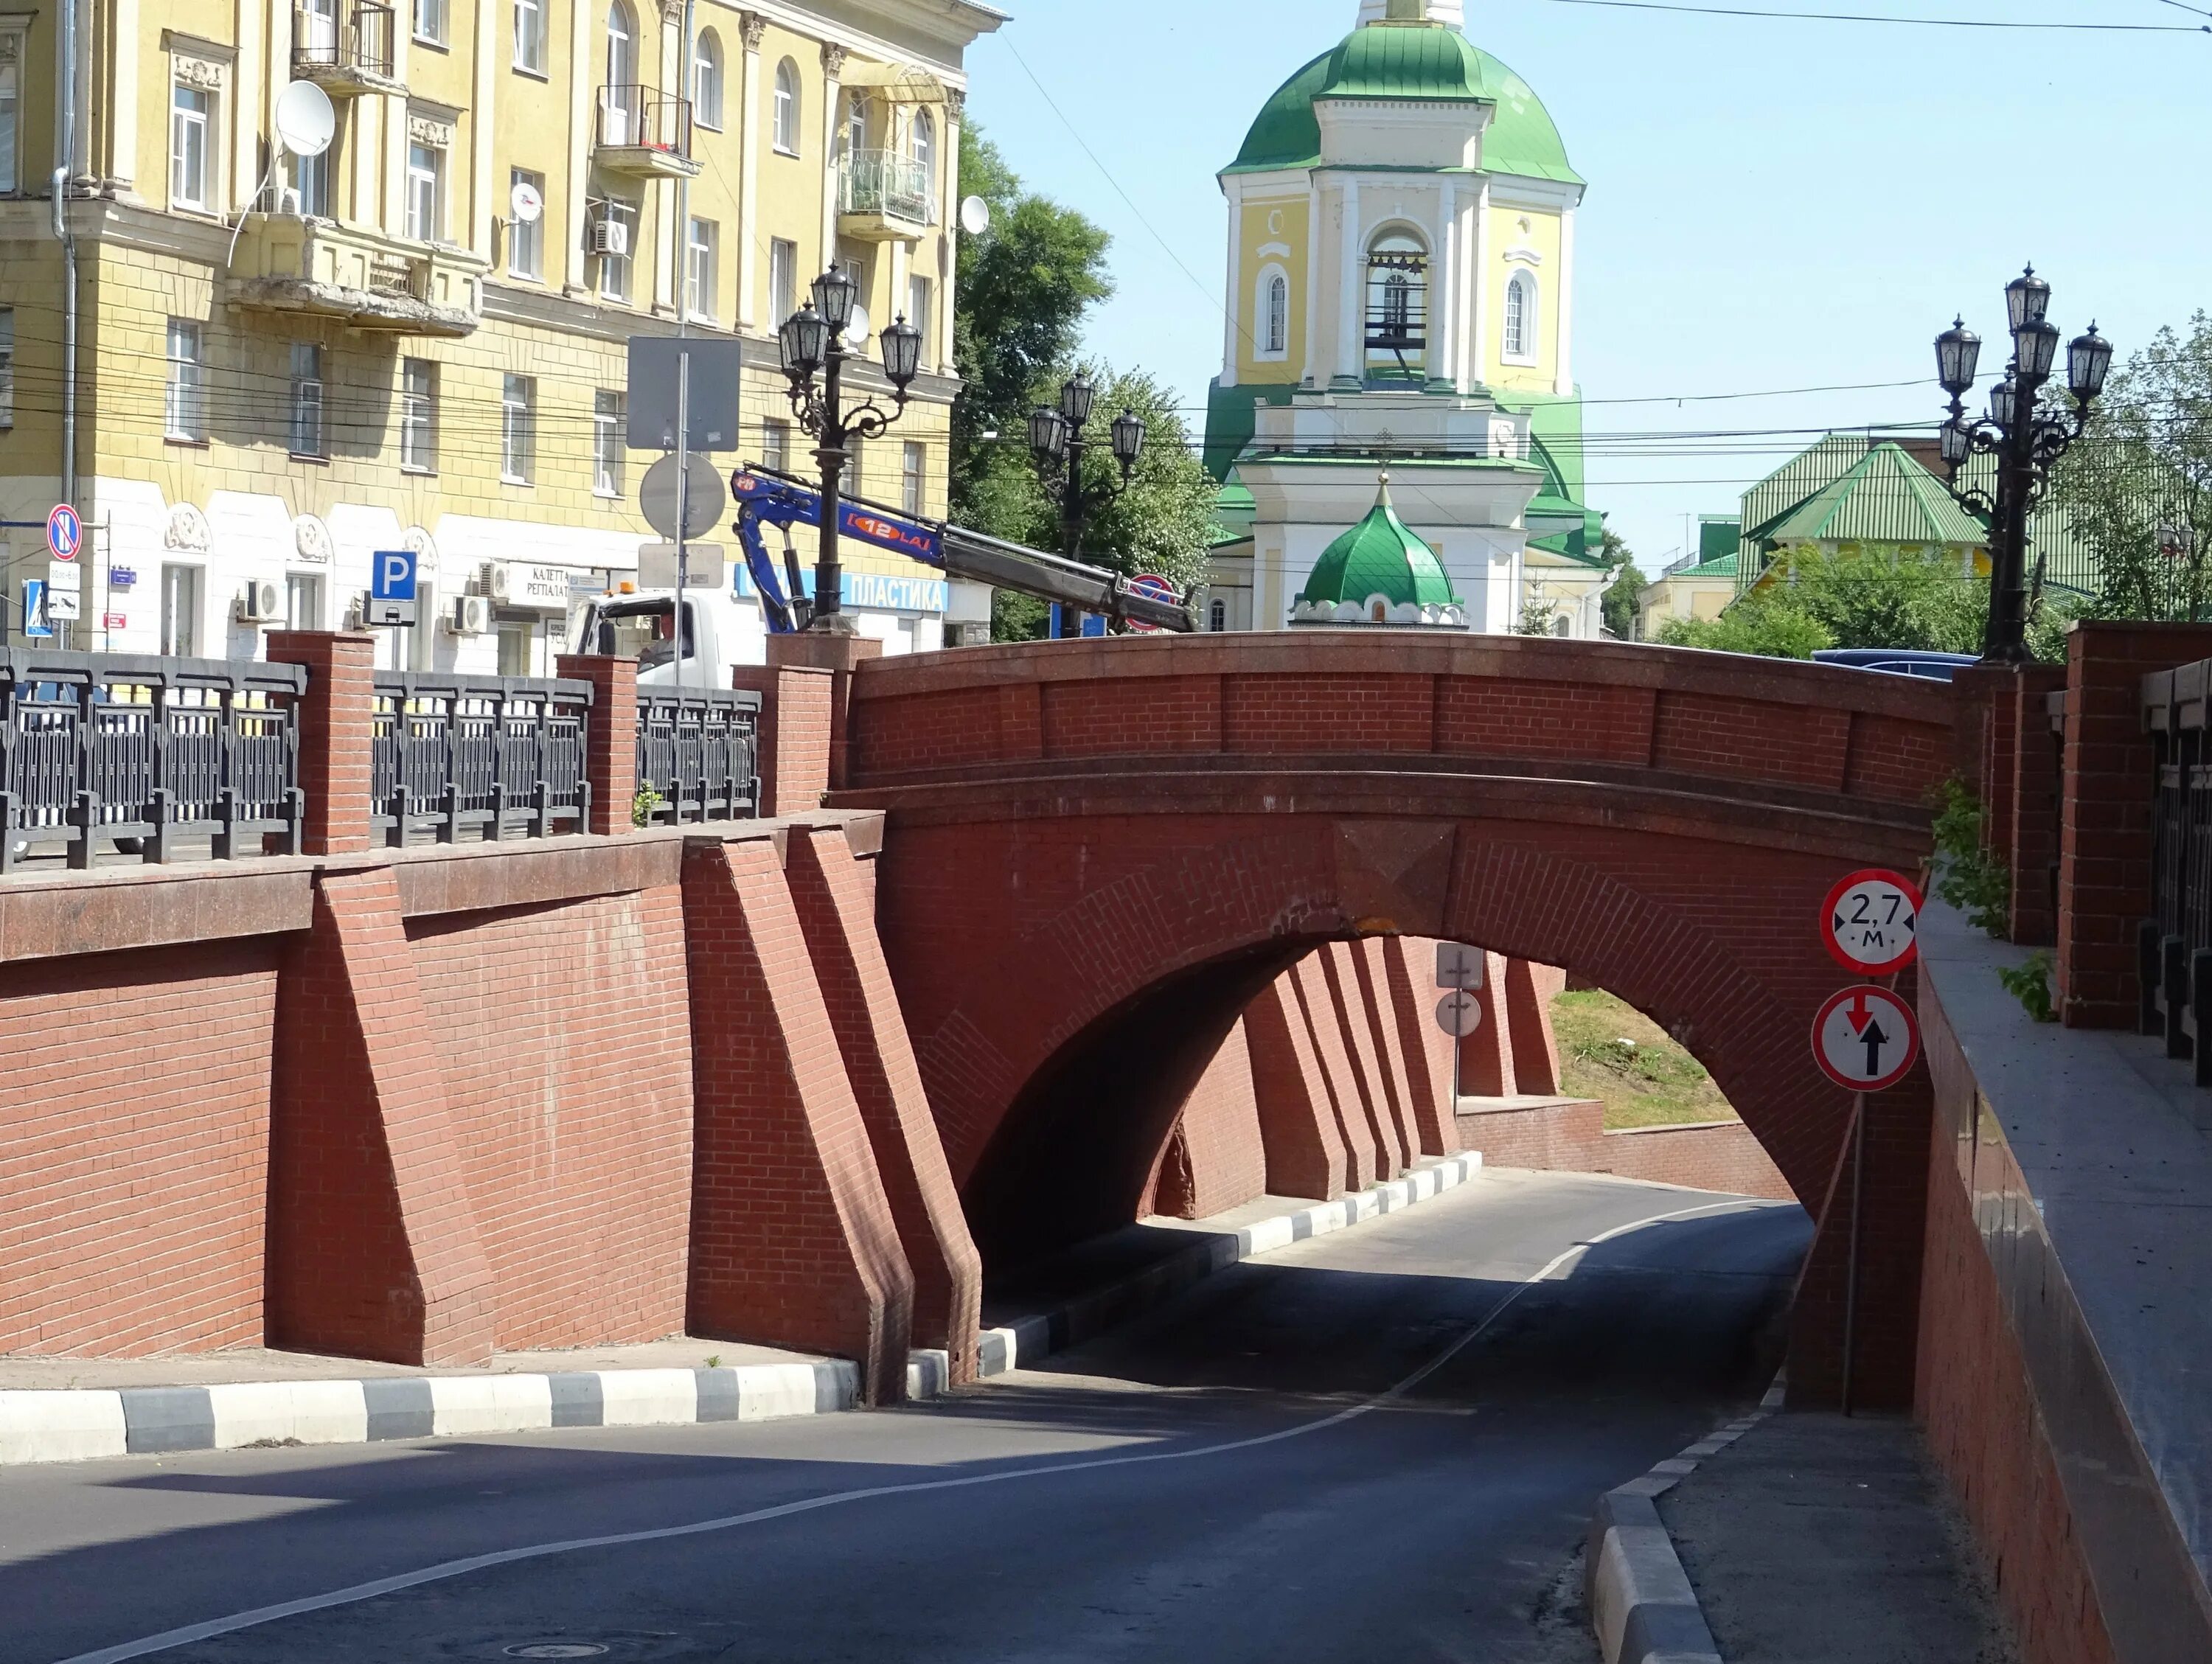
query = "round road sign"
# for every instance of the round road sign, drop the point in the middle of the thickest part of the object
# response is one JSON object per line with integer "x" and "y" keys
{"x": 1459, "y": 1013}
{"x": 702, "y": 509}
{"x": 1154, "y": 587}
{"x": 1866, "y": 1039}
{"x": 64, "y": 533}
{"x": 1872, "y": 922}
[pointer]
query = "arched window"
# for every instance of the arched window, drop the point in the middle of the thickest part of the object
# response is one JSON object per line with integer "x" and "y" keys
{"x": 623, "y": 95}
{"x": 1217, "y": 617}
{"x": 707, "y": 79}
{"x": 1520, "y": 341}
{"x": 1278, "y": 317}
{"x": 787, "y": 107}
{"x": 856, "y": 124}
{"x": 925, "y": 142}
{"x": 1398, "y": 303}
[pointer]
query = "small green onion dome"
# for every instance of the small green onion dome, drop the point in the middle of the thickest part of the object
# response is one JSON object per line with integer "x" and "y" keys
{"x": 1379, "y": 572}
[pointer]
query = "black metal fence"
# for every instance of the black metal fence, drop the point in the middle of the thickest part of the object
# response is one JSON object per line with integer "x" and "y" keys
{"x": 356, "y": 37}
{"x": 698, "y": 755}
{"x": 133, "y": 753}
{"x": 493, "y": 758}
{"x": 2175, "y": 944}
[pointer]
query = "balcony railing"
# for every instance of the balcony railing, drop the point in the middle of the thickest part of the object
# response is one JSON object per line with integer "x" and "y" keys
{"x": 641, "y": 129}
{"x": 697, "y": 756}
{"x": 348, "y": 49}
{"x": 883, "y": 182}
{"x": 2176, "y": 941}
{"x": 494, "y": 757}
{"x": 134, "y": 753}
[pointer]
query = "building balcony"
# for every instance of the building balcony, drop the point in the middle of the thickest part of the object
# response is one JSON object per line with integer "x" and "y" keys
{"x": 361, "y": 278}
{"x": 347, "y": 51}
{"x": 883, "y": 196}
{"x": 645, "y": 133}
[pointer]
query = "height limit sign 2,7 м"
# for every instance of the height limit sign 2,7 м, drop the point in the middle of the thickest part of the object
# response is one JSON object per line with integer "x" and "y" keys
{"x": 1872, "y": 922}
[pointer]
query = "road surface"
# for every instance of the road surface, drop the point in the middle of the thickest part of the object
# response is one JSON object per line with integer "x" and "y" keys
{"x": 1382, "y": 1443}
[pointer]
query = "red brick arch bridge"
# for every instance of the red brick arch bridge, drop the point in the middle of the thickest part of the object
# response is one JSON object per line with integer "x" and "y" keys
{"x": 1098, "y": 854}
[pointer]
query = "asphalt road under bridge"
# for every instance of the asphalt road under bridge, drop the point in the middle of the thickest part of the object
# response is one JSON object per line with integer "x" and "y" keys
{"x": 1384, "y": 1443}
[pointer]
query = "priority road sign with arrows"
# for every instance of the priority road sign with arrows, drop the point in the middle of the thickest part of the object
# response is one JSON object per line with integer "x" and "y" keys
{"x": 1866, "y": 1039}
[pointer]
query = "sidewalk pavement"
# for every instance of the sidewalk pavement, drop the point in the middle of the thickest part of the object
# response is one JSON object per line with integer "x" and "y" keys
{"x": 1823, "y": 1540}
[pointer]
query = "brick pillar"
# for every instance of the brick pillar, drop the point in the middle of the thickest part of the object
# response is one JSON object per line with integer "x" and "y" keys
{"x": 1367, "y": 1099}
{"x": 1367, "y": 958}
{"x": 373, "y": 1245}
{"x": 1977, "y": 688}
{"x": 337, "y": 724}
{"x": 1410, "y": 967}
{"x": 794, "y": 735}
{"x": 2105, "y": 846}
{"x": 1486, "y": 1057}
{"x": 794, "y": 1242}
{"x": 1297, "y": 1127}
{"x": 841, "y": 656}
{"x": 837, "y": 912}
{"x": 611, "y": 751}
{"x": 1316, "y": 1005}
{"x": 2031, "y": 845}
{"x": 1529, "y": 990}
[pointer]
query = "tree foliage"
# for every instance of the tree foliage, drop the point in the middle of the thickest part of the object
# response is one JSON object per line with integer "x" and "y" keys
{"x": 1623, "y": 596}
{"x": 1819, "y": 601}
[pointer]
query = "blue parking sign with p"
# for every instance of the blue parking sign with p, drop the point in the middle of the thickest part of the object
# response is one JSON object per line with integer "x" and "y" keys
{"x": 393, "y": 575}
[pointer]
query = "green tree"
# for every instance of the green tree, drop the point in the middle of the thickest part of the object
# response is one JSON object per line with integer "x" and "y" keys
{"x": 1625, "y": 594}
{"x": 1757, "y": 625}
{"x": 1024, "y": 289}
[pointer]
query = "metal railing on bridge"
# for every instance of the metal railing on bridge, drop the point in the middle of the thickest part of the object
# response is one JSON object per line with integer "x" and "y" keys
{"x": 137, "y": 753}
{"x": 2175, "y": 942}
{"x": 494, "y": 757}
{"x": 698, "y": 755}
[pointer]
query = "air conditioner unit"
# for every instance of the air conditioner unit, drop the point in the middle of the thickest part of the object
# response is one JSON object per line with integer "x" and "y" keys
{"x": 259, "y": 604}
{"x": 471, "y": 616}
{"x": 610, "y": 236}
{"x": 495, "y": 582}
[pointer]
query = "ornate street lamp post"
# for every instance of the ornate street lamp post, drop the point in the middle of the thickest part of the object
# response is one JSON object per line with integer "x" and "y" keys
{"x": 813, "y": 343}
{"x": 2025, "y": 439}
{"x": 1059, "y": 442}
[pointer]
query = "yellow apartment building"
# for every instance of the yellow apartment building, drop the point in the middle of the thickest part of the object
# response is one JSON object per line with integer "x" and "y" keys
{"x": 419, "y": 337}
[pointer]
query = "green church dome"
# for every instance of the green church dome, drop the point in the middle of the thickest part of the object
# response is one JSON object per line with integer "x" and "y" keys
{"x": 1417, "y": 65}
{"x": 1381, "y": 560}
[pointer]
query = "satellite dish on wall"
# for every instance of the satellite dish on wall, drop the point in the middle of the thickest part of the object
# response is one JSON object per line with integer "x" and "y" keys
{"x": 306, "y": 123}
{"x": 526, "y": 202}
{"x": 975, "y": 216}
{"x": 856, "y": 332}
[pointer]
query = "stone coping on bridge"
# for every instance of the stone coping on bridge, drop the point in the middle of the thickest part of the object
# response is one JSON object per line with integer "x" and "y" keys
{"x": 2090, "y": 1186}
{"x": 45, "y": 916}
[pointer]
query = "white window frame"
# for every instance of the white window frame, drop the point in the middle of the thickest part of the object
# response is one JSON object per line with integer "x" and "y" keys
{"x": 775, "y": 445}
{"x": 181, "y": 606}
{"x": 418, "y": 415}
{"x": 789, "y": 107}
{"x": 194, "y": 166}
{"x": 1522, "y": 284}
{"x": 610, "y": 442}
{"x": 303, "y": 600}
{"x": 310, "y": 177}
{"x": 921, "y": 141}
{"x": 426, "y": 166}
{"x": 7, "y": 367}
{"x": 707, "y": 76}
{"x": 914, "y": 476}
{"x": 185, "y": 401}
{"x": 782, "y": 281}
{"x": 309, "y": 371}
{"x": 430, "y": 21}
{"x": 12, "y": 44}
{"x": 525, "y": 239}
{"x": 517, "y": 429}
{"x": 703, "y": 255}
{"x": 618, "y": 272}
{"x": 922, "y": 310}
{"x": 1266, "y": 347}
{"x": 529, "y": 38}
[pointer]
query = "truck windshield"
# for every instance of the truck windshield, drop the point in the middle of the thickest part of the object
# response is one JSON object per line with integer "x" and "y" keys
{"x": 644, "y": 631}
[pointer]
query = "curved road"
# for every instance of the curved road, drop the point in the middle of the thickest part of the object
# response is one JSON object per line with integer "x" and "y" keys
{"x": 1382, "y": 1443}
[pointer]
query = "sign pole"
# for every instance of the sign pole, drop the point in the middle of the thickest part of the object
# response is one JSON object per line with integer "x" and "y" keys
{"x": 682, "y": 471}
{"x": 1851, "y": 1271}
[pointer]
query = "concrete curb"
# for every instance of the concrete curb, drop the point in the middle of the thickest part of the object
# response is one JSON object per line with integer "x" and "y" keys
{"x": 90, "y": 1425}
{"x": 1025, "y": 1342}
{"x": 1641, "y": 1602}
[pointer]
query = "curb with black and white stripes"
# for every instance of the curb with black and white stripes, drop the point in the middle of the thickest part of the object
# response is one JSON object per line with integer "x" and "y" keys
{"x": 51, "y": 1425}
{"x": 1641, "y": 1601}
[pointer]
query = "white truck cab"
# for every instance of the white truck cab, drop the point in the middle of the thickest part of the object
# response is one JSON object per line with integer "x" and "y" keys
{"x": 721, "y": 633}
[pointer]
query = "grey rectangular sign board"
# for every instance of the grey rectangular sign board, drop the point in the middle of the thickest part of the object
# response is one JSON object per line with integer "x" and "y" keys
{"x": 717, "y": 369}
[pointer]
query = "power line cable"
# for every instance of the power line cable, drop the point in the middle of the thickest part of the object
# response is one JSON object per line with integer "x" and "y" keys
{"x": 1901, "y": 22}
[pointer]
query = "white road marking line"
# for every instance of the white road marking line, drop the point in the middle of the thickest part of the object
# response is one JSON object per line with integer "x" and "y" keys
{"x": 168, "y": 1639}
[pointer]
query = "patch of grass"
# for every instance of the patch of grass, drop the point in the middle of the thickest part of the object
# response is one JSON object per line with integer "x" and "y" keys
{"x": 1610, "y": 1051}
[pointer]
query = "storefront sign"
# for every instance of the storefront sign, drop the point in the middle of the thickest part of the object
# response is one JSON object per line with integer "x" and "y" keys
{"x": 544, "y": 587}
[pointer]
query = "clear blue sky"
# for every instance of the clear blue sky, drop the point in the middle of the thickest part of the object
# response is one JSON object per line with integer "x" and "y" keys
{"x": 1773, "y": 204}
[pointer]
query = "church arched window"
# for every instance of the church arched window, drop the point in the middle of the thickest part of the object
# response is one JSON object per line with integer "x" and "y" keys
{"x": 1520, "y": 341}
{"x": 1217, "y": 617}
{"x": 1397, "y": 303}
{"x": 1274, "y": 332}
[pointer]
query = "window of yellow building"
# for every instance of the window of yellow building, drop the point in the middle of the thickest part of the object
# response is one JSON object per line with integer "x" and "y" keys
{"x": 418, "y": 416}
{"x": 787, "y": 107}
{"x": 707, "y": 80}
{"x": 529, "y": 36}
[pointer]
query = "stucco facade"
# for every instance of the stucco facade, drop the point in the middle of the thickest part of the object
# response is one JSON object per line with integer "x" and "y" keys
{"x": 283, "y": 369}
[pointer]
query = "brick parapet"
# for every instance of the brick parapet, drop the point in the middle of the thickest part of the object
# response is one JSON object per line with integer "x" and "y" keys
{"x": 610, "y": 742}
{"x": 842, "y": 656}
{"x": 2105, "y": 828}
{"x": 796, "y": 702}
{"x": 338, "y": 721}
{"x": 2030, "y": 845}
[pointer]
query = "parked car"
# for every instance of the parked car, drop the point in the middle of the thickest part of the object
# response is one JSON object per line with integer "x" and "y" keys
{"x": 1897, "y": 661}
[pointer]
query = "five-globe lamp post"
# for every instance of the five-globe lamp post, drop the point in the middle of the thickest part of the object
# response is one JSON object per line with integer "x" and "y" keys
{"x": 1059, "y": 441}
{"x": 813, "y": 342}
{"x": 2025, "y": 439}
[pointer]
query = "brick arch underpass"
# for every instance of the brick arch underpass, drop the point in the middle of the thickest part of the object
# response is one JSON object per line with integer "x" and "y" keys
{"x": 1098, "y": 854}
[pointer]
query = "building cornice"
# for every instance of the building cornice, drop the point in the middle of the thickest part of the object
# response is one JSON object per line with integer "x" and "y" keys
{"x": 877, "y": 48}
